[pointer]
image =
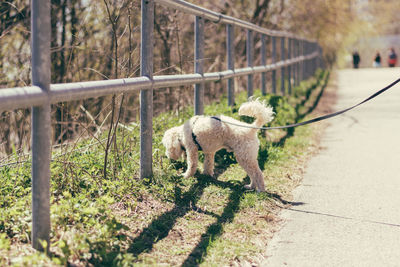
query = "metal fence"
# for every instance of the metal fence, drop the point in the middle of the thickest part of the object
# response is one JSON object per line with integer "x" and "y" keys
{"x": 299, "y": 60}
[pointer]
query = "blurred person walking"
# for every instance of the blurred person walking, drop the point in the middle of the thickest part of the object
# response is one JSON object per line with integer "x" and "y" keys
{"x": 377, "y": 60}
{"x": 392, "y": 58}
{"x": 356, "y": 59}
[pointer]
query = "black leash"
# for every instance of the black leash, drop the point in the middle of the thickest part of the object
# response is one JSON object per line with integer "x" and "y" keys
{"x": 315, "y": 119}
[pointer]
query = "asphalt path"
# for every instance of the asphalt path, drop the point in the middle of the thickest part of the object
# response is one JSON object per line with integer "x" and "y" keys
{"x": 348, "y": 205}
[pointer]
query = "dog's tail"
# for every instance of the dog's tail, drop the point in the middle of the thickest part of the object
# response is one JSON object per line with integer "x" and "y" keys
{"x": 261, "y": 111}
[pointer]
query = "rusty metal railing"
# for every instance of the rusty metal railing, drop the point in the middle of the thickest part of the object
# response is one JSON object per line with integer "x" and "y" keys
{"x": 302, "y": 59}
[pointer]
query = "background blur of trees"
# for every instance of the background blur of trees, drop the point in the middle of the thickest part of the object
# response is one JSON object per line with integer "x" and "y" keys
{"x": 100, "y": 39}
{"x": 385, "y": 16}
{"x": 381, "y": 30}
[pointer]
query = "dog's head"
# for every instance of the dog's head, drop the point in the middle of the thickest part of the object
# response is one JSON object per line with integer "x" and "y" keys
{"x": 172, "y": 143}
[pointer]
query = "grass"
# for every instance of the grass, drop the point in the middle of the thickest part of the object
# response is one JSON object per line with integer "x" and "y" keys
{"x": 165, "y": 220}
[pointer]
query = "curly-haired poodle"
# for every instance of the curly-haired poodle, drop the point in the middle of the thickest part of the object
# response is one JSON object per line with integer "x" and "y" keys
{"x": 211, "y": 134}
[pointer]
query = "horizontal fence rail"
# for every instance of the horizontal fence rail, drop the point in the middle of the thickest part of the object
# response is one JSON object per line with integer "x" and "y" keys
{"x": 221, "y": 18}
{"x": 299, "y": 58}
{"x": 25, "y": 97}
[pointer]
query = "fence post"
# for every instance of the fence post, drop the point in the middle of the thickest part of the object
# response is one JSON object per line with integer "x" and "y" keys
{"x": 308, "y": 68}
{"x": 311, "y": 49}
{"x": 198, "y": 65}
{"x": 283, "y": 68}
{"x": 146, "y": 96}
{"x": 315, "y": 45}
{"x": 298, "y": 68}
{"x": 263, "y": 62}
{"x": 294, "y": 68}
{"x": 303, "y": 62}
{"x": 249, "y": 55}
{"x": 321, "y": 58}
{"x": 309, "y": 61}
{"x": 273, "y": 62}
{"x": 289, "y": 55}
{"x": 230, "y": 62}
{"x": 41, "y": 124}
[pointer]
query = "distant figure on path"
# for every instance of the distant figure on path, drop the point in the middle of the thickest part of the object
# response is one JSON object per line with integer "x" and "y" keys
{"x": 377, "y": 60}
{"x": 356, "y": 59}
{"x": 392, "y": 58}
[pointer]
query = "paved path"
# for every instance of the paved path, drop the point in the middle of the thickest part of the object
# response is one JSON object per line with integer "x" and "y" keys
{"x": 350, "y": 214}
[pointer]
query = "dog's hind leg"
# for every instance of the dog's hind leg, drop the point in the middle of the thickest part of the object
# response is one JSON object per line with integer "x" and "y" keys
{"x": 250, "y": 165}
{"x": 209, "y": 164}
{"x": 192, "y": 159}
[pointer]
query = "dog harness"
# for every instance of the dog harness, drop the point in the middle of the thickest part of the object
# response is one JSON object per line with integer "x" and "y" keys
{"x": 182, "y": 147}
{"x": 194, "y": 137}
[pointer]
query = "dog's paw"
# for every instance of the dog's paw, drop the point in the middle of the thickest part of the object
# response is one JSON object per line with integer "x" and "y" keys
{"x": 209, "y": 174}
{"x": 253, "y": 188}
{"x": 249, "y": 187}
{"x": 187, "y": 175}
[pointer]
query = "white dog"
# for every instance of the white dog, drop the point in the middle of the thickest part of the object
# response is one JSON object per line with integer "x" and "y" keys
{"x": 211, "y": 134}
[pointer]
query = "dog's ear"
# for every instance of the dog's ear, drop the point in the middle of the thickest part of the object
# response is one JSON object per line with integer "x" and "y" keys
{"x": 172, "y": 144}
{"x": 178, "y": 151}
{"x": 168, "y": 138}
{"x": 174, "y": 151}
{"x": 165, "y": 140}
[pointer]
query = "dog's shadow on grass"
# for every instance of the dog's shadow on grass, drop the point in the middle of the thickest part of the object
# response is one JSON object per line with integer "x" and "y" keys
{"x": 214, "y": 230}
{"x": 105, "y": 253}
{"x": 160, "y": 227}
{"x": 223, "y": 160}
{"x": 185, "y": 202}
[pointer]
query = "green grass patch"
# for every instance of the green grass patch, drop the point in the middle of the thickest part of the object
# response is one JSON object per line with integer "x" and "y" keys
{"x": 121, "y": 220}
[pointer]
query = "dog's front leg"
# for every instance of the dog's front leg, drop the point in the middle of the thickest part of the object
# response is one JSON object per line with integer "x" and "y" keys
{"x": 192, "y": 159}
{"x": 209, "y": 164}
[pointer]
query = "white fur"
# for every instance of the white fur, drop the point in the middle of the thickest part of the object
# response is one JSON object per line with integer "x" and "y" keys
{"x": 213, "y": 135}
